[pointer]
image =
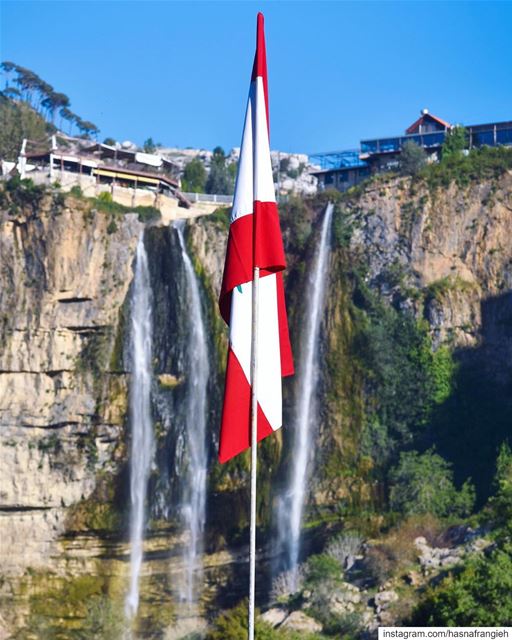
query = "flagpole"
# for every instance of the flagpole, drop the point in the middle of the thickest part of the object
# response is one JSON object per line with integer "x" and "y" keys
{"x": 254, "y": 444}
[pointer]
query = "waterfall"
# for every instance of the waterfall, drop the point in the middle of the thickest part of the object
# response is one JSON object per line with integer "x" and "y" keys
{"x": 291, "y": 503}
{"x": 142, "y": 443}
{"x": 193, "y": 500}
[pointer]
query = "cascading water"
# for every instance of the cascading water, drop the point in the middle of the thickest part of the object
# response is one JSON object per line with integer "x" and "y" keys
{"x": 142, "y": 444}
{"x": 291, "y": 503}
{"x": 193, "y": 502}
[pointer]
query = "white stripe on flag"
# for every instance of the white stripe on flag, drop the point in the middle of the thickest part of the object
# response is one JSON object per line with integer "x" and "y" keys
{"x": 254, "y": 171}
{"x": 243, "y": 202}
{"x": 269, "y": 361}
{"x": 263, "y": 179}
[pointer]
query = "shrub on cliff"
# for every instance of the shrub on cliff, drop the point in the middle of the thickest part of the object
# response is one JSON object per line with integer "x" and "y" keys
{"x": 423, "y": 483}
{"x": 232, "y": 625}
{"x": 405, "y": 378}
{"x": 321, "y": 568}
{"x": 499, "y": 508}
{"x": 412, "y": 159}
{"x": 479, "y": 164}
{"x": 19, "y": 193}
{"x": 455, "y": 142}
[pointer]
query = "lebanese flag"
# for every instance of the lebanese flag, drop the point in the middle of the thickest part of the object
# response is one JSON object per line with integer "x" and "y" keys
{"x": 254, "y": 240}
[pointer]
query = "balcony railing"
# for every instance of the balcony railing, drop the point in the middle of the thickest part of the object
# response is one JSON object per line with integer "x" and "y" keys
{"x": 338, "y": 159}
{"x": 209, "y": 198}
{"x": 392, "y": 145}
{"x": 476, "y": 138}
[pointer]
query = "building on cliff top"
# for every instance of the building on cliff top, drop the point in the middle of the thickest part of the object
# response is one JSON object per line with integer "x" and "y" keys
{"x": 344, "y": 169}
{"x": 133, "y": 178}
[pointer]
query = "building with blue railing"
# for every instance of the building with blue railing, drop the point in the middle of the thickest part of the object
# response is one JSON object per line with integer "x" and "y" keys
{"x": 343, "y": 169}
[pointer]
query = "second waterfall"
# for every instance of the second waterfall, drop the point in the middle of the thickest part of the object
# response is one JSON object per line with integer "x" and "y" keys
{"x": 291, "y": 503}
{"x": 142, "y": 443}
{"x": 193, "y": 500}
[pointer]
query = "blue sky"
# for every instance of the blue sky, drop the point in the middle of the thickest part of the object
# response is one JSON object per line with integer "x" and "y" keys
{"x": 338, "y": 71}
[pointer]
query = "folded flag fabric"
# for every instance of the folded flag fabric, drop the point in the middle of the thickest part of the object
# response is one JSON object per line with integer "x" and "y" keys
{"x": 254, "y": 241}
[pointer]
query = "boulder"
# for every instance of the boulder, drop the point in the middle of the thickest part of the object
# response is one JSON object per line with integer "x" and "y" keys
{"x": 414, "y": 578}
{"x": 274, "y": 616}
{"x": 384, "y": 598}
{"x": 299, "y": 621}
{"x": 449, "y": 560}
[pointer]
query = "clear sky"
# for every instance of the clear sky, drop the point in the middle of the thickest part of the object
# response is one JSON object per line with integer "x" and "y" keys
{"x": 338, "y": 71}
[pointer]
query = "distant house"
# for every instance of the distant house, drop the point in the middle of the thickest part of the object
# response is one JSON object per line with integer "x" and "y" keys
{"x": 427, "y": 123}
{"x": 343, "y": 169}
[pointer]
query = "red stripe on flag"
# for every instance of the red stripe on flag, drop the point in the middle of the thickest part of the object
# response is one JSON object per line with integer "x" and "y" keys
{"x": 267, "y": 249}
{"x": 238, "y": 263}
{"x": 235, "y": 430}
{"x": 284, "y": 336}
{"x": 268, "y": 243}
{"x": 259, "y": 67}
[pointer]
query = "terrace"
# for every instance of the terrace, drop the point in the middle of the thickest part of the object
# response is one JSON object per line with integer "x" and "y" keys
{"x": 338, "y": 159}
{"x": 478, "y": 135}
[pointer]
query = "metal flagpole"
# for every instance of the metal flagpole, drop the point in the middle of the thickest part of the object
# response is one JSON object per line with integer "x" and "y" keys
{"x": 254, "y": 443}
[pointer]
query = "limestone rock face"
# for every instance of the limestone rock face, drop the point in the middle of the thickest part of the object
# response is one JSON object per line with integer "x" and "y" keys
{"x": 456, "y": 237}
{"x": 65, "y": 277}
{"x": 63, "y": 282}
{"x": 209, "y": 243}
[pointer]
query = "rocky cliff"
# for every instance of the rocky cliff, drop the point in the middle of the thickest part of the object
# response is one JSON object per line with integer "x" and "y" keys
{"x": 416, "y": 345}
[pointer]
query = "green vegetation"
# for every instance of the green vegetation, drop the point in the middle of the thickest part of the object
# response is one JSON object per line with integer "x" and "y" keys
{"x": 194, "y": 177}
{"x": 322, "y": 567}
{"x": 105, "y": 619}
{"x": 423, "y": 483}
{"x": 412, "y": 159}
{"x": 19, "y": 194}
{"x": 76, "y": 191}
{"x": 52, "y": 444}
{"x": 232, "y": 625}
{"x": 480, "y": 591}
{"x": 455, "y": 142}
{"x": 39, "y": 97}
{"x": 480, "y": 594}
{"x": 93, "y": 357}
{"x": 87, "y": 607}
{"x": 296, "y": 221}
{"x": 106, "y": 204}
{"x": 62, "y": 604}
{"x": 499, "y": 508}
{"x": 478, "y": 165}
{"x": 438, "y": 289}
{"x": 18, "y": 121}
{"x": 284, "y": 167}
{"x": 111, "y": 227}
{"x": 405, "y": 378}
{"x": 221, "y": 177}
{"x": 343, "y": 227}
{"x": 150, "y": 146}
{"x": 221, "y": 216}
